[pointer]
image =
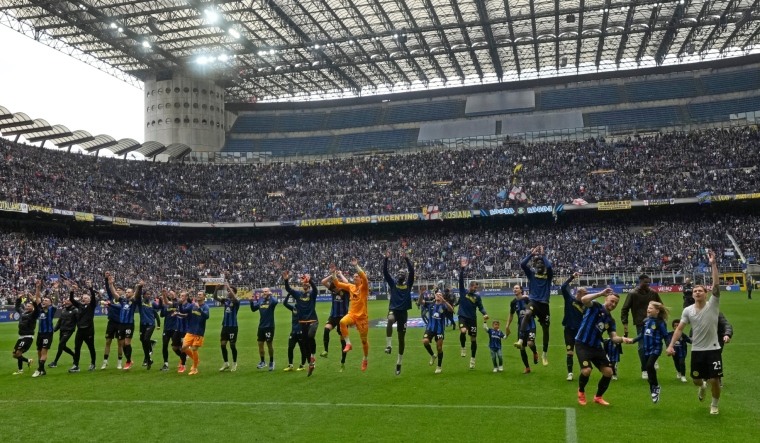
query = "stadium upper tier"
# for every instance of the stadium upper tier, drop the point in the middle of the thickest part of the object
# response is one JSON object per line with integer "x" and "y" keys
{"x": 630, "y": 243}
{"x": 667, "y": 166}
{"x": 632, "y": 103}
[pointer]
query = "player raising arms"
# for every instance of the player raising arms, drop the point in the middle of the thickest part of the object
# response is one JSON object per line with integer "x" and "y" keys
{"x": 706, "y": 359}
{"x": 168, "y": 307}
{"x": 589, "y": 346}
{"x": 231, "y": 306}
{"x": 45, "y": 331}
{"x": 112, "y": 328}
{"x": 27, "y": 323}
{"x": 295, "y": 339}
{"x": 85, "y": 326}
{"x": 181, "y": 310}
{"x": 127, "y": 304}
{"x": 266, "y": 304}
{"x": 539, "y": 285}
{"x": 468, "y": 301}
{"x": 572, "y": 319}
{"x": 399, "y": 305}
{"x": 357, "y": 313}
{"x": 196, "y": 328}
{"x": 519, "y": 306}
{"x": 341, "y": 300}
{"x": 306, "y": 302}
{"x": 148, "y": 308}
{"x": 436, "y": 327}
{"x": 66, "y": 324}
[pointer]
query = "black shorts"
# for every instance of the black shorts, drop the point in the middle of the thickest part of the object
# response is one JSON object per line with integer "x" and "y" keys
{"x": 229, "y": 333}
{"x": 112, "y": 329}
{"x": 540, "y": 312}
{"x": 177, "y": 339}
{"x": 23, "y": 344}
{"x": 531, "y": 333}
{"x": 265, "y": 334}
{"x": 44, "y": 340}
{"x": 295, "y": 337}
{"x": 334, "y": 322}
{"x": 570, "y": 338}
{"x": 706, "y": 364}
{"x": 126, "y": 330}
{"x": 472, "y": 328}
{"x": 400, "y": 317}
{"x": 146, "y": 331}
{"x": 588, "y": 356}
{"x": 309, "y": 329}
{"x": 432, "y": 336}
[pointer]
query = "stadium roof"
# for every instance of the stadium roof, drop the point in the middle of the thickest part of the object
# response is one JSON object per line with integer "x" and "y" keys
{"x": 312, "y": 49}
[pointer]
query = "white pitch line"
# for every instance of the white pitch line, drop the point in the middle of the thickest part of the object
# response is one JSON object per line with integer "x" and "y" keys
{"x": 571, "y": 431}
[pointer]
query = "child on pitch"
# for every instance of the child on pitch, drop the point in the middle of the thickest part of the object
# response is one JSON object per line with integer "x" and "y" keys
{"x": 679, "y": 359}
{"x": 613, "y": 350}
{"x": 495, "y": 336}
{"x": 655, "y": 333}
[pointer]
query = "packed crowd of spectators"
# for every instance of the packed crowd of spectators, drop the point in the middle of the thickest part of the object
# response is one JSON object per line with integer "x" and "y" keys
{"x": 666, "y": 166}
{"x": 634, "y": 244}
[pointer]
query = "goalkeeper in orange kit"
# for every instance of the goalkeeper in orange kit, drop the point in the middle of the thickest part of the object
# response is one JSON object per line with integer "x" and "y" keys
{"x": 357, "y": 313}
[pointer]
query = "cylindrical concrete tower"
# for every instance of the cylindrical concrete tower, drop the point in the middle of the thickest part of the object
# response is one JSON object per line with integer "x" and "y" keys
{"x": 185, "y": 110}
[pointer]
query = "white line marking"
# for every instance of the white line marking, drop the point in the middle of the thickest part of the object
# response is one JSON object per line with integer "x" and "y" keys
{"x": 571, "y": 432}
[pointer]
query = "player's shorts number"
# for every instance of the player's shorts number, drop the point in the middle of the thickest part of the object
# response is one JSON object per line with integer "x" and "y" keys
{"x": 232, "y": 336}
{"x": 44, "y": 341}
{"x": 473, "y": 329}
{"x": 268, "y": 335}
{"x": 128, "y": 331}
{"x": 716, "y": 365}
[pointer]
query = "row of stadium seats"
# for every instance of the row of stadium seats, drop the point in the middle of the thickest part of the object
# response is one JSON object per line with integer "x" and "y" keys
{"x": 650, "y": 90}
{"x": 320, "y": 145}
{"x": 670, "y": 243}
{"x": 674, "y": 165}
{"x": 348, "y": 118}
{"x": 644, "y": 118}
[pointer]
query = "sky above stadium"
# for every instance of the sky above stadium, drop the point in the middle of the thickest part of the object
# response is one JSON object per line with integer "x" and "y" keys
{"x": 44, "y": 83}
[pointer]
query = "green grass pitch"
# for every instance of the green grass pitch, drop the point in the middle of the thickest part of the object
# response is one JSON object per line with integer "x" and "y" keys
{"x": 458, "y": 405}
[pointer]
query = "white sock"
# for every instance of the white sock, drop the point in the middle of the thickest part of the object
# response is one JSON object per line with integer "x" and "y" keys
{"x": 388, "y": 341}
{"x": 400, "y": 357}
{"x": 348, "y": 342}
{"x": 715, "y": 402}
{"x": 364, "y": 358}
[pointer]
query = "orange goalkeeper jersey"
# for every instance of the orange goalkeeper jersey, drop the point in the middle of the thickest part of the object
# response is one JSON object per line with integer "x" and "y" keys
{"x": 359, "y": 295}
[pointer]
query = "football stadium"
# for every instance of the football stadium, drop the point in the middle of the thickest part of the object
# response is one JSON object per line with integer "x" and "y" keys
{"x": 470, "y": 220}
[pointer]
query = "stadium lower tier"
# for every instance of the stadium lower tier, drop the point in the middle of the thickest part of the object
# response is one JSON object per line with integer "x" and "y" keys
{"x": 647, "y": 240}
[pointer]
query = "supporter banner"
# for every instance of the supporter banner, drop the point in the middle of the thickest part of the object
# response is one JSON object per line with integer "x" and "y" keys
{"x": 660, "y": 202}
{"x": 321, "y": 222}
{"x": 431, "y": 213}
{"x": 704, "y": 198}
{"x": 276, "y": 194}
{"x": 359, "y": 219}
{"x": 13, "y": 207}
{"x": 442, "y": 183}
{"x": 45, "y": 209}
{"x": 121, "y": 221}
{"x": 747, "y": 196}
{"x": 613, "y": 206}
{"x": 84, "y": 216}
{"x": 213, "y": 280}
{"x": 399, "y": 218}
{"x": 63, "y": 212}
{"x": 451, "y": 215}
{"x": 287, "y": 223}
{"x": 167, "y": 223}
